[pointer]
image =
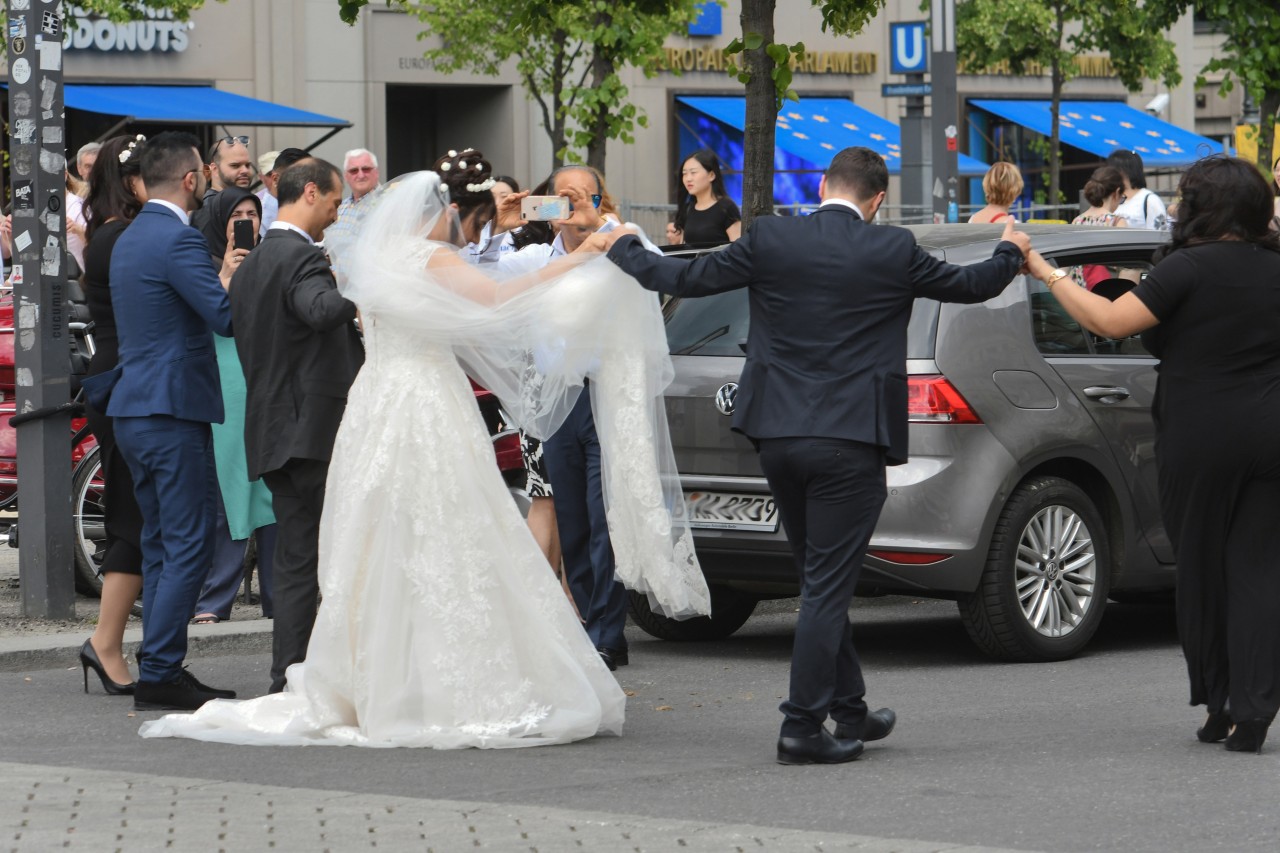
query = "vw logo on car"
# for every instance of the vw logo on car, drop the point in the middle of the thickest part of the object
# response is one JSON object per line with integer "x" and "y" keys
{"x": 725, "y": 397}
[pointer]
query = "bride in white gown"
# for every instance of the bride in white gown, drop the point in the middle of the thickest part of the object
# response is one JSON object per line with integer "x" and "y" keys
{"x": 440, "y": 624}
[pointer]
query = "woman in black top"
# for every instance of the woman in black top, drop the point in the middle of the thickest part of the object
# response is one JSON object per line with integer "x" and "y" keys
{"x": 115, "y": 197}
{"x": 1217, "y": 403}
{"x": 707, "y": 215}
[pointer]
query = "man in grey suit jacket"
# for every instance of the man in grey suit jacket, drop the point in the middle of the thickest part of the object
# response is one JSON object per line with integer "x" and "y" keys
{"x": 300, "y": 351}
{"x": 823, "y": 395}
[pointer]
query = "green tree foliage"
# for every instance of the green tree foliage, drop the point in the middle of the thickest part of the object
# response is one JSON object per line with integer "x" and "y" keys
{"x": 765, "y": 71}
{"x": 568, "y": 54}
{"x": 1031, "y": 35}
{"x": 132, "y": 10}
{"x": 1250, "y": 55}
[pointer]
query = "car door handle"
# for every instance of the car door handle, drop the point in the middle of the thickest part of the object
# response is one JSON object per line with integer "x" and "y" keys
{"x": 1106, "y": 393}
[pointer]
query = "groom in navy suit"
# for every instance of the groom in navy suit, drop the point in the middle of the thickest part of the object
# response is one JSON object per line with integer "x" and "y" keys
{"x": 163, "y": 396}
{"x": 823, "y": 395}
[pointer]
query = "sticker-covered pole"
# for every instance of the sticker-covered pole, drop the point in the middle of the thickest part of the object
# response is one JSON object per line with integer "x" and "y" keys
{"x": 37, "y": 176}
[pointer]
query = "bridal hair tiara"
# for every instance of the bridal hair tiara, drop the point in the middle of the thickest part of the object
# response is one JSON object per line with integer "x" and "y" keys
{"x": 126, "y": 153}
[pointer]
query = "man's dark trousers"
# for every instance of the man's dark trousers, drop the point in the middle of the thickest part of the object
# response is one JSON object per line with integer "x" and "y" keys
{"x": 829, "y": 494}
{"x": 572, "y": 456}
{"x": 297, "y": 498}
{"x": 176, "y": 485}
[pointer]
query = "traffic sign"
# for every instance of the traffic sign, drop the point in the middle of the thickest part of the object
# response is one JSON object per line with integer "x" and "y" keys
{"x": 905, "y": 90}
{"x": 908, "y": 52}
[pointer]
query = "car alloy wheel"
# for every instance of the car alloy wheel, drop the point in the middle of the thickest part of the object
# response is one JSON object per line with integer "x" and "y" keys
{"x": 1055, "y": 571}
{"x": 1044, "y": 587}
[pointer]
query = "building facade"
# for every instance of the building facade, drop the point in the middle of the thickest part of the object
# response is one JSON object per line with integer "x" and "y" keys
{"x": 298, "y": 53}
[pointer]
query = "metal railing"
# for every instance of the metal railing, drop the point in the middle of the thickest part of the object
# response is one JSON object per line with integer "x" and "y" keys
{"x": 653, "y": 217}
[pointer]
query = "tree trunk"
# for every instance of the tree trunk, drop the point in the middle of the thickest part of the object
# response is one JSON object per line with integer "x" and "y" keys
{"x": 762, "y": 114}
{"x": 602, "y": 65}
{"x": 1269, "y": 108}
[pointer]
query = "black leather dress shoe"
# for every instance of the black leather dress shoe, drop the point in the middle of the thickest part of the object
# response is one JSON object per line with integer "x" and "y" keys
{"x": 821, "y": 748}
{"x": 876, "y": 726}
{"x": 221, "y": 694}
{"x": 613, "y": 658}
{"x": 181, "y": 694}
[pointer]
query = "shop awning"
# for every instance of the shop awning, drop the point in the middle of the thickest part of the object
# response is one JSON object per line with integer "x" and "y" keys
{"x": 1101, "y": 127}
{"x": 816, "y": 128}
{"x": 189, "y": 105}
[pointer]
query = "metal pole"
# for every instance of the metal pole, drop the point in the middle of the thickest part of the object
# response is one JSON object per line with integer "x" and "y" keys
{"x": 946, "y": 110}
{"x": 917, "y": 165}
{"x": 37, "y": 151}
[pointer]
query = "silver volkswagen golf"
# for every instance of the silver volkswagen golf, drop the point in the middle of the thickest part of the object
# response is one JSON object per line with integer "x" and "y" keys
{"x": 1030, "y": 495}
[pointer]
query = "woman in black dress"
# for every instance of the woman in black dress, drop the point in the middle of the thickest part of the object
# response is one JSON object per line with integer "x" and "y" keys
{"x": 116, "y": 195}
{"x": 707, "y": 215}
{"x": 1213, "y": 305}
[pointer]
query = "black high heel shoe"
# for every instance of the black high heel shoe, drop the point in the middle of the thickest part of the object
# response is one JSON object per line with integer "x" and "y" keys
{"x": 1248, "y": 735}
{"x": 1216, "y": 728}
{"x": 89, "y": 659}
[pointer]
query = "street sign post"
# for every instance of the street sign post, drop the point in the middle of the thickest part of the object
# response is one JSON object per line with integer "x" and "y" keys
{"x": 946, "y": 111}
{"x": 909, "y": 55}
{"x": 37, "y": 152}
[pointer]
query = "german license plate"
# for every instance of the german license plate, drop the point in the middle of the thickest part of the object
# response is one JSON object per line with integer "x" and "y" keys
{"x": 732, "y": 511}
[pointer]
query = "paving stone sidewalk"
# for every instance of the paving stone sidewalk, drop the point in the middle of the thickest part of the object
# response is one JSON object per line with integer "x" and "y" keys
{"x": 58, "y": 808}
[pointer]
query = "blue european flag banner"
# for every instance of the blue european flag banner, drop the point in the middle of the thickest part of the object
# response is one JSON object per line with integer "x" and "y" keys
{"x": 708, "y": 21}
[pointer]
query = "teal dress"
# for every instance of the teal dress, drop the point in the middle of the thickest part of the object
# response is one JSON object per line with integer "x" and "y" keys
{"x": 247, "y": 504}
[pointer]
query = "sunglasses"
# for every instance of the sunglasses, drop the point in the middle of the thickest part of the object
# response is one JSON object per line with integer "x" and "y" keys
{"x": 359, "y": 170}
{"x": 595, "y": 201}
{"x": 230, "y": 140}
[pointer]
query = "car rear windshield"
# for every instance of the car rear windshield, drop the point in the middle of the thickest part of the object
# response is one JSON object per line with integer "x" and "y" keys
{"x": 717, "y": 325}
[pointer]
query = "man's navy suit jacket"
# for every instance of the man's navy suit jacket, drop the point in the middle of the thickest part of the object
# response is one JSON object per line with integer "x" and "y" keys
{"x": 167, "y": 298}
{"x": 830, "y": 298}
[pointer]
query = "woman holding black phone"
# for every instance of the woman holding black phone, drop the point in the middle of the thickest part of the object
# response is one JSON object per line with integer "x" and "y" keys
{"x": 235, "y": 215}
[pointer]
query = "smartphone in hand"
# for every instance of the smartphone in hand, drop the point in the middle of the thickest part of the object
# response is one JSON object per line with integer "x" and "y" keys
{"x": 245, "y": 235}
{"x": 544, "y": 208}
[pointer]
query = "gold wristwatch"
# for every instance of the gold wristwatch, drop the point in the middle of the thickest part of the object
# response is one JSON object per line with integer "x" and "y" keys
{"x": 1054, "y": 277}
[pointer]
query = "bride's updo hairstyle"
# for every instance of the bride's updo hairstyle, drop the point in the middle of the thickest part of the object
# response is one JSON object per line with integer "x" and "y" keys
{"x": 469, "y": 178}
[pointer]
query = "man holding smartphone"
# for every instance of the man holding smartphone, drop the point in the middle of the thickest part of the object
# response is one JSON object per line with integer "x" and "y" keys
{"x": 572, "y": 454}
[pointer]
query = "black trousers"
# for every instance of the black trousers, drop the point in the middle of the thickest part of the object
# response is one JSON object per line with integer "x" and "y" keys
{"x": 829, "y": 494}
{"x": 297, "y": 497}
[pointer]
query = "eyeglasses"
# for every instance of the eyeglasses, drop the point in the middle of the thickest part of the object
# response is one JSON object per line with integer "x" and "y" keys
{"x": 359, "y": 170}
{"x": 595, "y": 201}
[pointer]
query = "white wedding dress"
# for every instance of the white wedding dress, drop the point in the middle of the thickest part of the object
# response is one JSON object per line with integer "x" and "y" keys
{"x": 441, "y": 624}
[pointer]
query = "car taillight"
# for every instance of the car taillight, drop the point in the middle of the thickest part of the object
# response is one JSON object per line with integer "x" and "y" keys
{"x": 8, "y": 467}
{"x": 934, "y": 400}
{"x": 910, "y": 558}
{"x": 507, "y": 449}
{"x": 6, "y": 380}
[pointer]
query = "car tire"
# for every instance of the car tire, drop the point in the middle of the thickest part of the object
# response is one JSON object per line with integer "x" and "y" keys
{"x": 87, "y": 521}
{"x": 730, "y": 609}
{"x": 1028, "y": 606}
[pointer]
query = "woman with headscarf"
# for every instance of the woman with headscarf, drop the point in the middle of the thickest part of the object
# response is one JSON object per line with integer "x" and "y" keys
{"x": 246, "y": 506}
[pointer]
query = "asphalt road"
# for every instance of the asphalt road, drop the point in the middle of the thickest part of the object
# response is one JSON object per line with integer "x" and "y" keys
{"x": 1098, "y": 753}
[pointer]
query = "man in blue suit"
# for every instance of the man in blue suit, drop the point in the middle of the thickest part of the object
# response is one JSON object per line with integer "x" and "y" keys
{"x": 163, "y": 396}
{"x": 823, "y": 395}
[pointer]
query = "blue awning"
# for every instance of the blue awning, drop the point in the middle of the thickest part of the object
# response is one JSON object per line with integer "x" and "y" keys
{"x": 189, "y": 105}
{"x": 815, "y": 129}
{"x": 1101, "y": 127}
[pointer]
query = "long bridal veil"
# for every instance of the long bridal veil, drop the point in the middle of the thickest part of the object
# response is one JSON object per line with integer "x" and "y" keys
{"x": 535, "y": 341}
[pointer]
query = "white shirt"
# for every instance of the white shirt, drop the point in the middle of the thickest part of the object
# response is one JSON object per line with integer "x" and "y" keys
{"x": 535, "y": 257}
{"x": 182, "y": 214}
{"x": 843, "y": 203}
{"x": 75, "y": 228}
{"x": 289, "y": 226}
{"x": 1144, "y": 209}
{"x": 270, "y": 209}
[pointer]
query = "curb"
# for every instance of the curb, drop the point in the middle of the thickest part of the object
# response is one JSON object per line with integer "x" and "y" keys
{"x": 54, "y": 651}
